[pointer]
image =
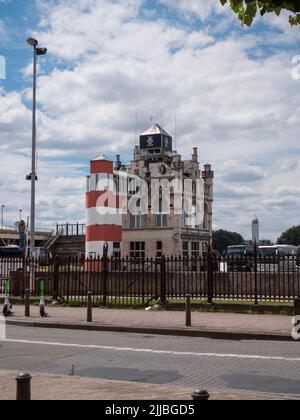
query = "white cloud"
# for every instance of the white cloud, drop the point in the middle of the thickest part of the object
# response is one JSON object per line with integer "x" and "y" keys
{"x": 241, "y": 112}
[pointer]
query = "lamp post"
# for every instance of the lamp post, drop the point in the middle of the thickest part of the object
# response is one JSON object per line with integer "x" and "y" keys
{"x": 33, "y": 176}
{"x": 2, "y": 216}
{"x": 20, "y": 211}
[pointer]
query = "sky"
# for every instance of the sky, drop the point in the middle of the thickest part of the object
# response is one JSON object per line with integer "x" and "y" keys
{"x": 233, "y": 89}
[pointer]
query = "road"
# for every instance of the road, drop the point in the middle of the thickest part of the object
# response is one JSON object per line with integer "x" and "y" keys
{"x": 266, "y": 367}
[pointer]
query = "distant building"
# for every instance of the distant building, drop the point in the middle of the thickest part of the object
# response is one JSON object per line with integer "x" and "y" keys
{"x": 152, "y": 231}
{"x": 255, "y": 231}
{"x": 154, "y": 235}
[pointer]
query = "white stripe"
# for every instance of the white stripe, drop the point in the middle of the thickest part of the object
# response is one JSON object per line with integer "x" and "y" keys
{"x": 103, "y": 216}
{"x": 174, "y": 353}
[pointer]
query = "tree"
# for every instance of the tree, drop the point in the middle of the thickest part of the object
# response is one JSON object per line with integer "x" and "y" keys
{"x": 248, "y": 9}
{"x": 290, "y": 237}
{"x": 223, "y": 239}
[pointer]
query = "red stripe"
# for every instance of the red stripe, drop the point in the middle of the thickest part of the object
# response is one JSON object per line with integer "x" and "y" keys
{"x": 111, "y": 199}
{"x": 101, "y": 167}
{"x": 109, "y": 233}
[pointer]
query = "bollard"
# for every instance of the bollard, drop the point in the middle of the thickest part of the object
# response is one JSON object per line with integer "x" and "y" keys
{"x": 200, "y": 395}
{"x": 90, "y": 307}
{"x": 27, "y": 303}
{"x": 23, "y": 387}
{"x": 297, "y": 307}
{"x": 188, "y": 310}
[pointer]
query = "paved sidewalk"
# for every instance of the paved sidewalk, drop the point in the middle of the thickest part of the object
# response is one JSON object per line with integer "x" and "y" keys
{"x": 218, "y": 325}
{"x": 58, "y": 387}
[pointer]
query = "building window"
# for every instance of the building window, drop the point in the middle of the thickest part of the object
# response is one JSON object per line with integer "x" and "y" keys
{"x": 159, "y": 249}
{"x": 195, "y": 250}
{"x": 161, "y": 219}
{"x": 185, "y": 250}
{"x": 137, "y": 250}
{"x": 137, "y": 222}
{"x": 117, "y": 250}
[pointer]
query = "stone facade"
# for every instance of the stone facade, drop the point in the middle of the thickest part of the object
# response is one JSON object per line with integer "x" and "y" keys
{"x": 154, "y": 235}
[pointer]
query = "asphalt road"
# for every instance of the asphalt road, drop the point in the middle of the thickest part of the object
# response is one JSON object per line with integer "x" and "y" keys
{"x": 268, "y": 367}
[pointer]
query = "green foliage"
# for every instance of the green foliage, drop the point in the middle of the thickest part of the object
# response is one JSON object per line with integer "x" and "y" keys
{"x": 290, "y": 237}
{"x": 247, "y": 10}
{"x": 222, "y": 239}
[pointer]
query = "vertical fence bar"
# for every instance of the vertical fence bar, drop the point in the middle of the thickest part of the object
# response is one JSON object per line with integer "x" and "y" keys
{"x": 163, "y": 280}
{"x": 255, "y": 275}
{"x": 210, "y": 277}
{"x": 104, "y": 278}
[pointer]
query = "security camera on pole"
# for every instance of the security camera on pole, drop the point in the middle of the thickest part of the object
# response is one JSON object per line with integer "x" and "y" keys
{"x": 33, "y": 176}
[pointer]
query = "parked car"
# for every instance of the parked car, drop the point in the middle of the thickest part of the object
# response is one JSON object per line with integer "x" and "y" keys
{"x": 277, "y": 258}
{"x": 298, "y": 256}
{"x": 239, "y": 258}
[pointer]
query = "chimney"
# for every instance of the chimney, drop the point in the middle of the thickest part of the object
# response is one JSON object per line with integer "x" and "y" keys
{"x": 137, "y": 153}
{"x": 118, "y": 163}
{"x": 195, "y": 155}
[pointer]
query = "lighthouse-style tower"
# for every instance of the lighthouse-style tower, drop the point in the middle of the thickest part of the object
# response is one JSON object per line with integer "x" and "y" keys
{"x": 104, "y": 218}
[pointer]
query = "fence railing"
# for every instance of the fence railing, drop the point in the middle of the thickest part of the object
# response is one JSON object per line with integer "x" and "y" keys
{"x": 138, "y": 282}
{"x": 70, "y": 229}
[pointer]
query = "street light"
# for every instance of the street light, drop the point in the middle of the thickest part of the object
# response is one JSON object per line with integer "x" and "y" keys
{"x": 33, "y": 176}
{"x": 2, "y": 216}
{"x": 20, "y": 211}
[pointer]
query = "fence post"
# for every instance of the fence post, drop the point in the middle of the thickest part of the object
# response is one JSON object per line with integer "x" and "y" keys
{"x": 200, "y": 396}
{"x": 143, "y": 280}
{"x": 55, "y": 278}
{"x": 105, "y": 273}
{"x": 27, "y": 303}
{"x": 90, "y": 307}
{"x": 210, "y": 276}
{"x": 255, "y": 274}
{"x": 188, "y": 310}
{"x": 23, "y": 387}
{"x": 163, "y": 281}
{"x": 24, "y": 283}
{"x": 297, "y": 307}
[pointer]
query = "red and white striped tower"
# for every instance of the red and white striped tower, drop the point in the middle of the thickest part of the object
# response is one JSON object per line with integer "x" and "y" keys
{"x": 104, "y": 218}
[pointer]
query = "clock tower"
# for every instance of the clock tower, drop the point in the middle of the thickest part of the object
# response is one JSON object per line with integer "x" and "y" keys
{"x": 156, "y": 140}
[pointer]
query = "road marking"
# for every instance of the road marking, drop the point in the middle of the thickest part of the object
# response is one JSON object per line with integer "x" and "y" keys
{"x": 165, "y": 352}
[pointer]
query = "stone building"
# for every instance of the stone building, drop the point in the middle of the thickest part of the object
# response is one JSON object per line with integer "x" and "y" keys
{"x": 157, "y": 232}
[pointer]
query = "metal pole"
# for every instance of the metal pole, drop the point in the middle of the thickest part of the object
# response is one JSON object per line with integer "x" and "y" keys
{"x": 188, "y": 310}
{"x": 23, "y": 387}
{"x": 33, "y": 159}
{"x": 27, "y": 303}
{"x": 89, "y": 308}
{"x": 297, "y": 307}
{"x": 210, "y": 277}
{"x": 255, "y": 274}
{"x": 200, "y": 395}
{"x": 2, "y": 216}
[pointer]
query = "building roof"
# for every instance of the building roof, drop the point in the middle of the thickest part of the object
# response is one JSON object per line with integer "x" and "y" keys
{"x": 155, "y": 129}
{"x": 101, "y": 157}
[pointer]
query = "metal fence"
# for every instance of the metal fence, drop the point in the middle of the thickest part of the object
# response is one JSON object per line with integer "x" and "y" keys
{"x": 138, "y": 282}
